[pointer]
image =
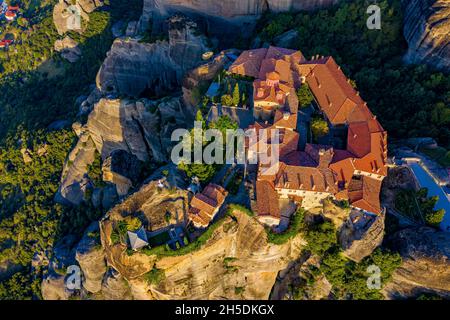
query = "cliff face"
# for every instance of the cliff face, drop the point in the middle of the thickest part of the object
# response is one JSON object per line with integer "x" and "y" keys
{"x": 237, "y": 255}
{"x": 225, "y": 20}
{"x": 141, "y": 128}
{"x": 232, "y": 8}
{"x": 235, "y": 262}
{"x": 132, "y": 67}
{"x": 427, "y": 31}
{"x": 426, "y": 263}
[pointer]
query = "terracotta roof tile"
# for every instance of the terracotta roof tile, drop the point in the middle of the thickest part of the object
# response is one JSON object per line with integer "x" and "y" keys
{"x": 203, "y": 205}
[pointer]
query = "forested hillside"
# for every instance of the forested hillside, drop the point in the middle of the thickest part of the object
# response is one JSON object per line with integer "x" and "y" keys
{"x": 38, "y": 88}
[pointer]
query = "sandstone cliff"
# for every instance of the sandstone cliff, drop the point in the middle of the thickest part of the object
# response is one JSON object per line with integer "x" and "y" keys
{"x": 225, "y": 20}
{"x": 427, "y": 31}
{"x": 426, "y": 263}
{"x": 132, "y": 66}
{"x": 142, "y": 128}
{"x": 205, "y": 273}
{"x": 235, "y": 262}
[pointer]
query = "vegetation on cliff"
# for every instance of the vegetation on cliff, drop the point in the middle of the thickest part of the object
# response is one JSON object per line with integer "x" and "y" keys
{"x": 349, "y": 279}
{"x": 419, "y": 207}
{"x": 38, "y": 88}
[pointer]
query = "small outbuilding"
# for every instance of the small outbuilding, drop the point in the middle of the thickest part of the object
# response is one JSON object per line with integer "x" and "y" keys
{"x": 138, "y": 239}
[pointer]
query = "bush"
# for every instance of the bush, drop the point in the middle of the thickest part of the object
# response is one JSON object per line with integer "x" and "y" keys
{"x": 321, "y": 237}
{"x": 295, "y": 226}
{"x": 154, "y": 276}
{"x": 227, "y": 100}
{"x": 305, "y": 96}
{"x": 319, "y": 127}
{"x": 237, "y": 207}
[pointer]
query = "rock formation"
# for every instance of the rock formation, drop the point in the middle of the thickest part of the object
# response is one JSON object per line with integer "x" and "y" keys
{"x": 68, "y": 48}
{"x": 132, "y": 66}
{"x": 225, "y": 20}
{"x": 361, "y": 234}
{"x": 300, "y": 274}
{"x": 237, "y": 255}
{"x": 91, "y": 258}
{"x": 74, "y": 179}
{"x": 141, "y": 128}
{"x": 426, "y": 263}
{"x": 66, "y": 13}
{"x": 427, "y": 31}
{"x": 122, "y": 169}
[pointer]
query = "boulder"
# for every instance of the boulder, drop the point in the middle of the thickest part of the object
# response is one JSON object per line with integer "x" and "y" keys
{"x": 427, "y": 31}
{"x": 66, "y": 43}
{"x": 54, "y": 288}
{"x": 91, "y": 258}
{"x": 68, "y": 48}
{"x": 361, "y": 234}
{"x": 64, "y": 14}
{"x": 27, "y": 155}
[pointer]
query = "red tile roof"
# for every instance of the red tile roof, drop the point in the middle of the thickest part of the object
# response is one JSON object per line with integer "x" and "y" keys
{"x": 364, "y": 193}
{"x": 203, "y": 205}
{"x": 267, "y": 199}
{"x": 318, "y": 168}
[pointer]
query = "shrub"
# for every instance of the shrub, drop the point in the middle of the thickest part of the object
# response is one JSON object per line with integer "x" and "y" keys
{"x": 239, "y": 290}
{"x": 226, "y": 100}
{"x": 233, "y": 206}
{"x": 321, "y": 237}
{"x": 319, "y": 127}
{"x": 154, "y": 276}
{"x": 295, "y": 226}
{"x": 305, "y": 97}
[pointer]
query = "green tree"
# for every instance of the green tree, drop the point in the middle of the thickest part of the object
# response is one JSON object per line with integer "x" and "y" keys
{"x": 204, "y": 172}
{"x": 321, "y": 237}
{"x": 305, "y": 97}
{"x": 227, "y": 100}
{"x": 236, "y": 95}
{"x": 319, "y": 127}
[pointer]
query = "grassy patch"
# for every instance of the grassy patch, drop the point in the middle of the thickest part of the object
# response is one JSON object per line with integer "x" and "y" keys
{"x": 159, "y": 239}
{"x": 226, "y": 264}
{"x": 237, "y": 207}
{"x": 164, "y": 251}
